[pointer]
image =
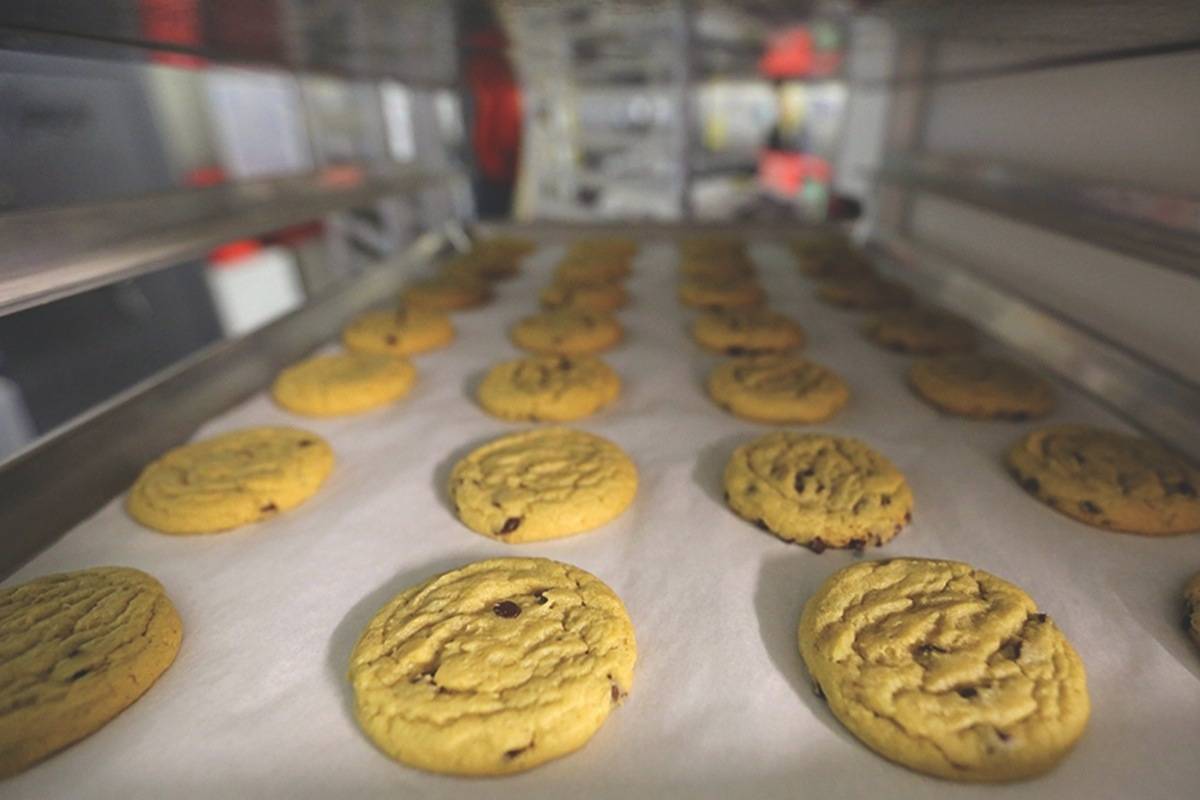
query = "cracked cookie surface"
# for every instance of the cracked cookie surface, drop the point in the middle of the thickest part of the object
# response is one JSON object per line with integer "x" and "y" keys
{"x": 983, "y": 387}
{"x": 542, "y": 484}
{"x": 1109, "y": 480}
{"x": 819, "y": 491}
{"x": 343, "y": 383}
{"x": 230, "y": 480}
{"x": 400, "y": 332}
{"x": 567, "y": 331}
{"x": 925, "y": 331}
{"x": 945, "y": 669}
{"x": 777, "y": 389}
{"x": 548, "y": 388}
{"x": 746, "y": 331}
{"x": 76, "y": 649}
{"x": 493, "y": 668}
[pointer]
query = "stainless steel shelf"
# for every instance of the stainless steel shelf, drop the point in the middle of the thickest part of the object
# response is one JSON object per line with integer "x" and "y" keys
{"x": 1158, "y": 227}
{"x": 1160, "y": 402}
{"x": 48, "y": 254}
{"x": 75, "y": 470}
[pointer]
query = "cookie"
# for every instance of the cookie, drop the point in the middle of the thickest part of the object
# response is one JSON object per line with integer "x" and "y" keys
{"x": 777, "y": 389}
{"x": 867, "y": 294}
{"x": 568, "y": 332}
{"x": 343, "y": 383}
{"x": 1109, "y": 480}
{"x": 834, "y": 257}
{"x": 819, "y": 491}
{"x": 592, "y": 270}
{"x": 984, "y": 387}
{"x": 511, "y": 246}
{"x": 542, "y": 484}
{"x": 482, "y": 264}
{"x": 400, "y": 332}
{"x": 598, "y": 297}
{"x": 77, "y": 649}
{"x": 720, "y": 293}
{"x": 713, "y": 245}
{"x": 231, "y": 480}
{"x": 716, "y": 270}
{"x": 924, "y": 331}
{"x": 548, "y": 388}
{"x": 745, "y": 331}
{"x": 945, "y": 669}
{"x": 1191, "y": 598}
{"x": 493, "y": 668}
{"x": 447, "y": 292}
{"x": 606, "y": 247}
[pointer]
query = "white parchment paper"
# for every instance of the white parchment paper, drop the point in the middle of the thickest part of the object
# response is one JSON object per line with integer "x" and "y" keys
{"x": 257, "y": 704}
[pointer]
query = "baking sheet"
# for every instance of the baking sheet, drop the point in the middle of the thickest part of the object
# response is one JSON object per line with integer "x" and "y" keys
{"x": 257, "y": 703}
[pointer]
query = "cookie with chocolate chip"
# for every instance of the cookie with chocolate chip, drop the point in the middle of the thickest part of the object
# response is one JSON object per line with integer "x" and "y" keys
{"x": 945, "y": 669}
{"x": 924, "y": 331}
{"x": 981, "y": 387}
{"x": 747, "y": 331}
{"x": 567, "y": 332}
{"x": 864, "y": 293}
{"x": 1109, "y": 480}
{"x": 399, "y": 332}
{"x": 819, "y": 491}
{"x": 542, "y": 484}
{"x": 493, "y": 668}
{"x": 548, "y": 388}
{"x": 777, "y": 388}
{"x": 1191, "y": 597}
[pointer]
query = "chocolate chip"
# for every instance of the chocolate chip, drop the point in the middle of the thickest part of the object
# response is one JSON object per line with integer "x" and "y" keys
{"x": 305, "y": 443}
{"x": 390, "y": 339}
{"x": 817, "y": 546}
{"x": 616, "y": 693}
{"x": 507, "y": 609}
{"x": 541, "y": 598}
{"x": 762, "y": 524}
{"x": 510, "y": 525}
{"x": 1088, "y": 507}
{"x": 818, "y": 691}
{"x": 858, "y": 507}
{"x": 798, "y": 483}
{"x": 1004, "y": 737}
{"x": 1030, "y": 485}
{"x": 1018, "y": 416}
{"x": 908, "y": 516}
{"x": 269, "y": 508}
{"x": 929, "y": 649}
{"x": 1185, "y": 489}
{"x": 857, "y": 544}
{"x": 511, "y": 754}
{"x": 967, "y": 692}
{"x": 735, "y": 351}
{"x": 1039, "y": 617}
{"x": 885, "y": 501}
{"x": 1011, "y": 649}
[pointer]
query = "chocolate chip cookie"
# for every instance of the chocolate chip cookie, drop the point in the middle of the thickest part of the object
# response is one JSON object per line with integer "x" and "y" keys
{"x": 777, "y": 389}
{"x": 567, "y": 332}
{"x": 548, "y": 388}
{"x": 747, "y": 331}
{"x": 983, "y": 387}
{"x": 924, "y": 331}
{"x": 864, "y": 293}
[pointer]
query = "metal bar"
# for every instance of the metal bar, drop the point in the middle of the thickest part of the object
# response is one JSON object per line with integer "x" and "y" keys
{"x": 45, "y": 255}
{"x": 1158, "y": 227}
{"x": 75, "y": 470}
{"x": 1150, "y": 397}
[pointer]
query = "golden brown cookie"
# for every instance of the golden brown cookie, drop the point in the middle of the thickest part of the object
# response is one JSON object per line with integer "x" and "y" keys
{"x": 747, "y": 331}
{"x": 1109, "y": 480}
{"x": 777, "y": 389}
{"x": 867, "y": 294}
{"x": 1191, "y": 598}
{"x": 830, "y": 257}
{"x": 945, "y": 669}
{"x": 542, "y": 484}
{"x": 717, "y": 270}
{"x": 493, "y": 668}
{"x": 400, "y": 332}
{"x": 599, "y": 297}
{"x": 230, "y": 480}
{"x": 343, "y": 383}
{"x": 591, "y": 270}
{"x": 76, "y": 649}
{"x": 447, "y": 292}
{"x": 548, "y": 388}
{"x": 567, "y": 332}
{"x": 712, "y": 293}
{"x": 924, "y": 331}
{"x": 984, "y": 387}
{"x": 819, "y": 491}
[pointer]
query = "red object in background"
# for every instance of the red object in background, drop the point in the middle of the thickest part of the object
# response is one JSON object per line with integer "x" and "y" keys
{"x": 784, "y": 172}
{"x": 229, "y": 254}
{"x": 172, "y": 22}
{"x": 791, "y": 54}
{"x": 496, "y": 130}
